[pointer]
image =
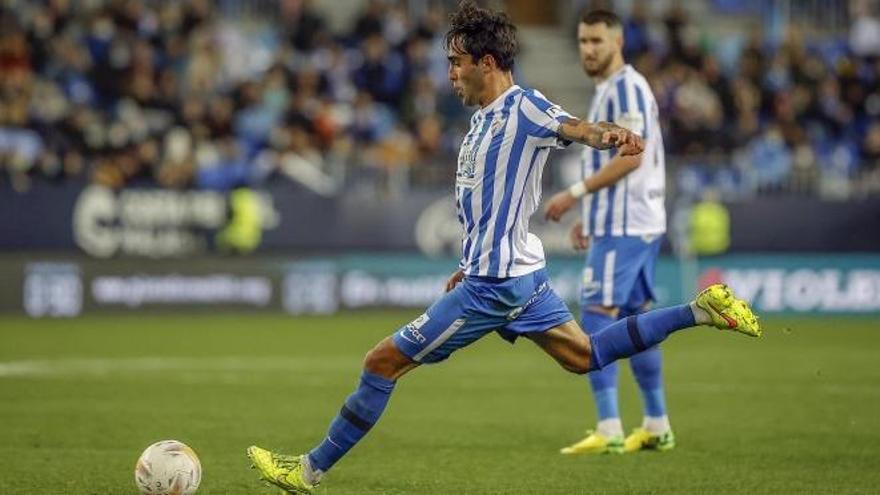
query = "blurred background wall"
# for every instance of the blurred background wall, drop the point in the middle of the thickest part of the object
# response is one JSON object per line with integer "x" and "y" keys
{"x": 302, "y": 151}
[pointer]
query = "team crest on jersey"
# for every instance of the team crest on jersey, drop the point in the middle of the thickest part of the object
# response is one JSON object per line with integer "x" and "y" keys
{"x": 466, "y": 174}
{"x": 497, "y": 124}
{"x": 590, "y": 285}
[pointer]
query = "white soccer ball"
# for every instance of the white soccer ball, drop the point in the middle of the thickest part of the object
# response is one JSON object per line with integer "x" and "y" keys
{"x": 168, "y": 467}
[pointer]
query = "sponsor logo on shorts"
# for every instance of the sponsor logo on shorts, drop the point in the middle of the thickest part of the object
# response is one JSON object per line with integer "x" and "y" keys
{"x": 514, "y": 314}
{"x": 411, "y": 331}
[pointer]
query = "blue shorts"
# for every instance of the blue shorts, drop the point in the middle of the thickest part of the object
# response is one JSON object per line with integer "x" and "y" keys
{"x": 620, "y": 271}
{"x": 480, "y": 305}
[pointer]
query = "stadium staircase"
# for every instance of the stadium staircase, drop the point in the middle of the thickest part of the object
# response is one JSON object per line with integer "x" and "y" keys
{"x": 549, "y": 62}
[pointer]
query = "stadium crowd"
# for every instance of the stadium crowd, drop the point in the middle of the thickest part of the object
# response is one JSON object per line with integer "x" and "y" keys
{"x": 130, "y": 92}
{"x": 800, "y": 115}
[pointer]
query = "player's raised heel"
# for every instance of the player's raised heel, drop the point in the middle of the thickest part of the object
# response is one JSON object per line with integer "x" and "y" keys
{"x": 595, "y": 443}
{"x": 283, "y": 471}
{"x": 726, "y": 311}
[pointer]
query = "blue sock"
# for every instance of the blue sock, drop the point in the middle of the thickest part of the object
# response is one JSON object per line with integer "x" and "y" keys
{"x": 634, "y": 334}
{"x": 606, "y": 402}
{"x": 603, "y": 382}
{"x": 647, "y": 367}
{"x": 359, "y": 413}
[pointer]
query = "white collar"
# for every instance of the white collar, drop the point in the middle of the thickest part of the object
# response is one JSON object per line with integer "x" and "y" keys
{"x": 613, "y": 76}
{"x": 497, "y": 102}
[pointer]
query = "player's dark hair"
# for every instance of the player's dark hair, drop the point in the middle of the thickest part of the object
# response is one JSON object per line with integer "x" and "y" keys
{"x": 479, "y": 32}
{"x": 598, "y": 16}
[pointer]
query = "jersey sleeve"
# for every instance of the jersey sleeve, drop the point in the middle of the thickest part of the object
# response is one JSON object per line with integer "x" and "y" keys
{"x": 542, "y": 119}
{"x": 632, "y": 111}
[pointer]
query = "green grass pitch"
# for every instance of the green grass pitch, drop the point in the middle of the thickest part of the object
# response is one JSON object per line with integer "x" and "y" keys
{"x": 795, "y": 412}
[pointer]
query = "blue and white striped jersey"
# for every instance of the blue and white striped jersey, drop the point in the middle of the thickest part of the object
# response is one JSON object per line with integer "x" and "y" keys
{"x": 633, "y": 206}
{"x": 498, "y": 182}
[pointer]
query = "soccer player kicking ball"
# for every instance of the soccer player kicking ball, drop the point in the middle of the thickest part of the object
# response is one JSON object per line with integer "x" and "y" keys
{"x": 501, "y": 284}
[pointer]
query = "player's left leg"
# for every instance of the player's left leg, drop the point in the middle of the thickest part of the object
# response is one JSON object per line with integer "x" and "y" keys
{"x": 715, "y": 306}
{"x": 457, "y": 319}
{"x": 383, "y": 366}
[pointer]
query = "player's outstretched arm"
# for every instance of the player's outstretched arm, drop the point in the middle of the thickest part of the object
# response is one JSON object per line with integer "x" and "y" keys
{"x": 602, "y": 135}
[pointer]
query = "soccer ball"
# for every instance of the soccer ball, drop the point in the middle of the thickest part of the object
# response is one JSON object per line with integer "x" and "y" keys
{"x": 168, "y": 467}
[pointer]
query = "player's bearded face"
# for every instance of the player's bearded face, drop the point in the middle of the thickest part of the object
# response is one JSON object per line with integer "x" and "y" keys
{"x": 597, "y": 45}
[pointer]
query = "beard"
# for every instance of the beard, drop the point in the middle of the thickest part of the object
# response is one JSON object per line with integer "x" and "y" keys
{"x": 600, "y": 68}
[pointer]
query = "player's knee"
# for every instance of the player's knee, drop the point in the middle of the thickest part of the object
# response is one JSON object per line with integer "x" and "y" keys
{"x": 377, "y": 358}
{"x": 578, "y": 365}
{"x": 386, "y": 360}
{"x": 581, "y": 362}
{"x": 578, "y": 360}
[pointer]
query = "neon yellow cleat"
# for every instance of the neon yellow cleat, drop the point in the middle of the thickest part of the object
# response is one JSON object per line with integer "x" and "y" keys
{"x": 283, "y": 471}
{"x": 640, "y": 439}
{"x": 595, "y": 443}
{"x": 727, "y": 312}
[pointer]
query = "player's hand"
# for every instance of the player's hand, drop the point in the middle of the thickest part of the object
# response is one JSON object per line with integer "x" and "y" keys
{"x": 456, "y": 277}
{"x": 579, "y": 241}
{"x": 627, "y": 142}
{"x": 560, "y": 203}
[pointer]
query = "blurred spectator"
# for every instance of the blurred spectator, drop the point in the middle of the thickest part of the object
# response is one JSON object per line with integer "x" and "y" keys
{"x": 304, "y": 25}
{"x": 381, "y": 71}
{"x": 864, "y": 35}
{"x": 709, "y": 226}
{"x": 635, "y": 32}
{"x": 244, "y": 230}
{"x": 770, "y": 158}
{"x": 870, "y": 155}
{"x": 696, "y": 116}
{"x": 369, "y": 23}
